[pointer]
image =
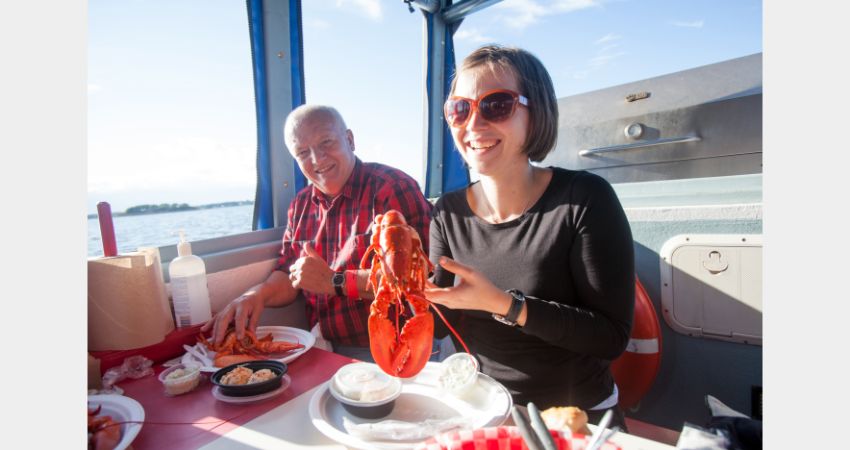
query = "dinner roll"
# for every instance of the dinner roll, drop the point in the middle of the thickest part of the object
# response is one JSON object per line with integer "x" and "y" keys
{"x": 566, "y": 417}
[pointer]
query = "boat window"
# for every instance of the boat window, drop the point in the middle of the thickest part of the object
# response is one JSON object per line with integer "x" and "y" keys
{"x": 172, "y": 124}
{"x": 171, "y": 120}
{"x": 366, "y": 59}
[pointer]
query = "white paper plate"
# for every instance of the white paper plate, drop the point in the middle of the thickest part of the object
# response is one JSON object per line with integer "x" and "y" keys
{"x": 284, "y": 384}
{"x": 488, "y": 404}
{"x": 121, "y": 409}
{"x": 279, "y": 334}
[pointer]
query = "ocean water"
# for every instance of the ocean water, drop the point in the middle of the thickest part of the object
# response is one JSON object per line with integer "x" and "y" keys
{"x": 156, "y": 230}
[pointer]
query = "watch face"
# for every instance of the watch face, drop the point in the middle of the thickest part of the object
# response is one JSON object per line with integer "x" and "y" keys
{"x": 338, "y": 281}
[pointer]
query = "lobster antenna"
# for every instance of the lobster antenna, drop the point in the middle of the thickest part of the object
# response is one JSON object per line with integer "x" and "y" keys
{"x": 437, "y": 310}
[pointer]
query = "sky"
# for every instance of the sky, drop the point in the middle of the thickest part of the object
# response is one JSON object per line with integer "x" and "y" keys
{"x": 171, "y": 117}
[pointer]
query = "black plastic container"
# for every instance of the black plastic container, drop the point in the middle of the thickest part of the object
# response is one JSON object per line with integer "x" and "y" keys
{"x": 245, "y": 390}
{"x": 370, "y": 412}
{"x": 371, "y": 409}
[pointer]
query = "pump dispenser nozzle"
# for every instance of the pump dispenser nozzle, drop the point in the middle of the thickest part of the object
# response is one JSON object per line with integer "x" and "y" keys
{"x": 183, "y": 248}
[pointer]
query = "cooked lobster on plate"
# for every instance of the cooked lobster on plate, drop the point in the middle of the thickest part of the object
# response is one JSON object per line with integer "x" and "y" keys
{"x": 233, "y": 350}
{"x": 104, "y": 433}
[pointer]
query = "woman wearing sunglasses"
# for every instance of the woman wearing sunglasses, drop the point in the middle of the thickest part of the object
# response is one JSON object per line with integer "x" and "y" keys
{"x": 535, "y": 264}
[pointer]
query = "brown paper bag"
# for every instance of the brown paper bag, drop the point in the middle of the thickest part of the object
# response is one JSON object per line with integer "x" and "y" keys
{"x": 127, "y": 302}
{"x": 95, "y": 379}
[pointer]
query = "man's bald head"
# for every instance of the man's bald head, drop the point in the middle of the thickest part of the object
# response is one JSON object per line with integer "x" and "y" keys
{"x": 303, "y": 113}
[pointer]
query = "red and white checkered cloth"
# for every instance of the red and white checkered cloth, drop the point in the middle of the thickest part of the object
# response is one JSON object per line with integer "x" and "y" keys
{"x": 501, "y": 438}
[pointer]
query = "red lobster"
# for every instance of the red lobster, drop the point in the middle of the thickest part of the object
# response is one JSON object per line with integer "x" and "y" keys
{"x": 104, "y": 433}
{"x": 249, "y": 348}
{"x": 396, "y": 253}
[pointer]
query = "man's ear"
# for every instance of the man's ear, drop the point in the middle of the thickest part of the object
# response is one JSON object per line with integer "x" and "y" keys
{"x": 350, "y": 136}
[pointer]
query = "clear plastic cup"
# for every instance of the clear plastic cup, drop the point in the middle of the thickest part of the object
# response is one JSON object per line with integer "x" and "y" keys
{"x": 459, "y": 373}
{"x": 180, "y": 379}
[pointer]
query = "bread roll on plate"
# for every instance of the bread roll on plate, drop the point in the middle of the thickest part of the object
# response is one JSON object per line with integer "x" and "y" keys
{"x": 566, "y": 418}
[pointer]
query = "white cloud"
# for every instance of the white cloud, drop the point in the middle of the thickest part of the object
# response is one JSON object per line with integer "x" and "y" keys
{"x": 603, "y": 59}
{"x": 369, "y": 8}
{"x": 566, "y": 6}
{"x": 471, "y": 35}
{"x": 610, "y": 37}
{"x": 520, "y": 14}
{"x": 691, "y": 24}
{"x": 92, "y": 88}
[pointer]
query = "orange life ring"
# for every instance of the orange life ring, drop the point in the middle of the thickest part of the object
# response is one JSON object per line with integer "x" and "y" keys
{"x": 635, "y": 370}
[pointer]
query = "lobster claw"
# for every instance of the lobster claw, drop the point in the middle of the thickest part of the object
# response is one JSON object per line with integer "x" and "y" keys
{"x": 400, "y": 354}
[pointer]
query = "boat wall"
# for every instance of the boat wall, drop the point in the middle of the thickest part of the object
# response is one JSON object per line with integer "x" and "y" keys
{"x": 692, "y": 367}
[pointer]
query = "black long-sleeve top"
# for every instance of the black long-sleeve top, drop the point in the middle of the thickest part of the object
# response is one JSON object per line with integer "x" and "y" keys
{"x": 572, "y": 255}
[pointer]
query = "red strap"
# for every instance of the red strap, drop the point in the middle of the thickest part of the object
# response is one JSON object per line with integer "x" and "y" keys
{"x": 351, "y": 284}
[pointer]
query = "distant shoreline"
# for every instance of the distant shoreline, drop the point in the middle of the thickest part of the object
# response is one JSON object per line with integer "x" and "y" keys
{"x": 140, "y": 210}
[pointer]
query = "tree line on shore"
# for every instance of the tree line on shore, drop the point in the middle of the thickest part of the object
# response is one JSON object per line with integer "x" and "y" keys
{"x": 172, "y": 207}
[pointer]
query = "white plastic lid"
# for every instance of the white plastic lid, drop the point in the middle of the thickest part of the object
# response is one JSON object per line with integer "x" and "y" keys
{"x": 365, "y": 382}
{"x": 183, "y": 248}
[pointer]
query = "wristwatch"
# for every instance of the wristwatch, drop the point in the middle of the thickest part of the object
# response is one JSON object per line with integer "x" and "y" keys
{"x": 338, "y": 281}
{"x": 517, "y": 300}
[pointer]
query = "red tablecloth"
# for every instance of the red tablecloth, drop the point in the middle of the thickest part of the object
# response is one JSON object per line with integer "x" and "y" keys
{"x": 197, "y": 418}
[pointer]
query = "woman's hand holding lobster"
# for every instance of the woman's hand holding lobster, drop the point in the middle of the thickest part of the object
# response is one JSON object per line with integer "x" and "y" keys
{"x": 474, "y": 291}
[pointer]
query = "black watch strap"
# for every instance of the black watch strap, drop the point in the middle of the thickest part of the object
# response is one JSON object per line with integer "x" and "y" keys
{"x": 339, "y": 283}
{"x": 517, "y": 300}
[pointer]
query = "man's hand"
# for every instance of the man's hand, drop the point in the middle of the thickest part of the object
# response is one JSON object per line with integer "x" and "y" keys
{"x": 311, "y": 273}
{"x": 244, "y": 312}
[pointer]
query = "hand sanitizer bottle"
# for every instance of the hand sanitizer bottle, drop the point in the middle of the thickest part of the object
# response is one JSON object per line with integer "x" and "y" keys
{"x": 189, "y": 286}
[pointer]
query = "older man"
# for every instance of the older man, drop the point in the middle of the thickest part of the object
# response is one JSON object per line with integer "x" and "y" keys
{"x": 327, "y": 233}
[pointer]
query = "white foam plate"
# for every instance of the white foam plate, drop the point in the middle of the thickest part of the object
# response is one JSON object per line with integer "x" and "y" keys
{"x": 488, "y": 404}
{"x": 284, "y": 384}
{"x": 121, "y": 409}
{"x": 279, "y": 333}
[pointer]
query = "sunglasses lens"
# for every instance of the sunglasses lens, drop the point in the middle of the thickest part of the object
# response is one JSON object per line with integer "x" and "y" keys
{"x": 497, "y": 107}
{"x": 457, "y": 111}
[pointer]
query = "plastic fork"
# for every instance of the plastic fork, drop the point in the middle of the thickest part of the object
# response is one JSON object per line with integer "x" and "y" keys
{"x": 200, "y": 354}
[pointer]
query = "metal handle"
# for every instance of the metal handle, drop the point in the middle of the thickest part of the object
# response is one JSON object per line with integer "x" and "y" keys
{"x": 532, "y": 442}
{"x": 617, "y": 148}
{"x": 596, "y": 438}
{"x": 540, "y": 428}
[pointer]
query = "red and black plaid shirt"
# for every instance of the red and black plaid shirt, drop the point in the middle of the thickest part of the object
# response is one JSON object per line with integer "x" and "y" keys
{"x": 339, "y": 230}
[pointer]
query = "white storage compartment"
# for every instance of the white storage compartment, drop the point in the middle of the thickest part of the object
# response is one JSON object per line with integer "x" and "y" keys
{"x": 711, "y": 286}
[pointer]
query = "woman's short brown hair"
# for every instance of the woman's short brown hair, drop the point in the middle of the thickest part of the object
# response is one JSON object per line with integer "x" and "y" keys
{"x": 534, "y": 83}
